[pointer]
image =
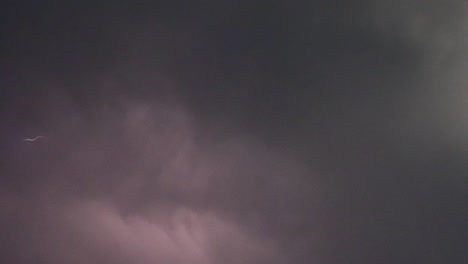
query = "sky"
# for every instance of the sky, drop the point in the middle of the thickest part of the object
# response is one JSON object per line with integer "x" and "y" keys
{"x": 245, "y": 132}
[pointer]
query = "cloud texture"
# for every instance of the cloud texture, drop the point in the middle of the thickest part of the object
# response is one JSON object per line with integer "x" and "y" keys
{"x": 248, "y": 132}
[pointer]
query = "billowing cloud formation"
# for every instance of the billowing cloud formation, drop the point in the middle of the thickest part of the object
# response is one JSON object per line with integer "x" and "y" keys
{"x": 138, "y": 187}
{"x": 97, "y": 232}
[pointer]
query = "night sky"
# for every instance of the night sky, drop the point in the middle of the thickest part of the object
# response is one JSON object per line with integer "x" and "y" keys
{"x": 218, "y": 132}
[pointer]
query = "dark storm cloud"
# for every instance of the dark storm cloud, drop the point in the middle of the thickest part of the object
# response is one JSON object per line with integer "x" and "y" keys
{"x": 246, "y": 132}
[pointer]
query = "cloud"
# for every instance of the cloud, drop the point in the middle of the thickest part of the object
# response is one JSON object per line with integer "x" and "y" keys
{"x": 180, "y": 236}
{"x": 138, "y": 187}
{"x": 251, "y": 132}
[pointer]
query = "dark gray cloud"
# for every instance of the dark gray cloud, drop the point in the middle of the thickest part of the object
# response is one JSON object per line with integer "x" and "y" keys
{"x": 246, "y": 132}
